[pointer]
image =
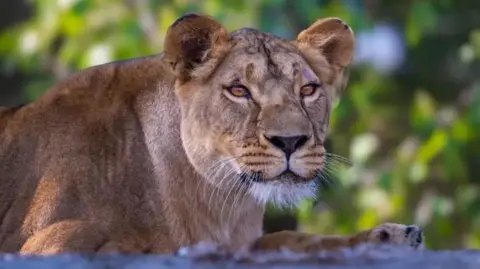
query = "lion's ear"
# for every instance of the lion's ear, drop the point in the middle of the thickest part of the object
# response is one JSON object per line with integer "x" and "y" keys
{"x": 331, "y": 38}
{"x": 193, "y": 40}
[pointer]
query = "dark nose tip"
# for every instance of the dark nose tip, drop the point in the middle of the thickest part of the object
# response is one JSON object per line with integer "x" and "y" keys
{"x": 288, "y": 144}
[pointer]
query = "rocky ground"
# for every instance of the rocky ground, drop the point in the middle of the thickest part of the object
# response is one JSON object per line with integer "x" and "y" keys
{"x": 207, "y": 257}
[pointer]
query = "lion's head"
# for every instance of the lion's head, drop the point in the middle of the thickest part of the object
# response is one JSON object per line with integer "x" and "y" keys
{"x": 255, "y": 107}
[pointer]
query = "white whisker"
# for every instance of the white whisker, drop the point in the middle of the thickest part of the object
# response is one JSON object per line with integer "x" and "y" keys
{"x": 233, "y": 184}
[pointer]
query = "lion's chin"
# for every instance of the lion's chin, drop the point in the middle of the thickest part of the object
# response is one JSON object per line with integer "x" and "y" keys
{"x": 283, "y": 194}
{"x": 288, "y": 176}
{"x": 285, "y": 190}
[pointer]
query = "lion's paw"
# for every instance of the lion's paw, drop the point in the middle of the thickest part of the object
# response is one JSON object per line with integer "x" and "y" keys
{"x": 397, "y": 234}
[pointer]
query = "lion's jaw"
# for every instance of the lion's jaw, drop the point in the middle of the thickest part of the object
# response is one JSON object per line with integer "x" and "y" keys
{"x": 284, "y": 188}
{"x": 287, "y": 185}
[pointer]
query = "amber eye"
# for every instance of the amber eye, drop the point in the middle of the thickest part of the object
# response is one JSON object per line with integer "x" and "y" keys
{"x": 309, "y": 89}
{"x": 239, "y": 91}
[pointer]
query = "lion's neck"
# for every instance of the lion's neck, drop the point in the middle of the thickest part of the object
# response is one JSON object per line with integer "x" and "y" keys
{"x": 195, "y": 210}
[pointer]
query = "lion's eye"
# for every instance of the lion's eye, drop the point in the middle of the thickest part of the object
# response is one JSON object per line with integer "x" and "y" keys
{"x": 239, "y": 91}
{"x": 309, "y": 89}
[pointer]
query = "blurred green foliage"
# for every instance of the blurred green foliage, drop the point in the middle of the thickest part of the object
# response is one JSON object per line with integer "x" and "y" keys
{"x": 412, "y": 134}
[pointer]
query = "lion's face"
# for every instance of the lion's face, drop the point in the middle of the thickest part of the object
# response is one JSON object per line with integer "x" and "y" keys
{"x": 255, "y": 116}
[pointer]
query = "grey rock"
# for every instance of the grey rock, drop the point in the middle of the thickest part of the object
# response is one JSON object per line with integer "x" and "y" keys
{"x": 363, "y": 257}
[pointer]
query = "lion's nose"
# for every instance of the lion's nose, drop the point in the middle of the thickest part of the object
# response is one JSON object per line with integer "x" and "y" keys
{"x": 288, "y": 144}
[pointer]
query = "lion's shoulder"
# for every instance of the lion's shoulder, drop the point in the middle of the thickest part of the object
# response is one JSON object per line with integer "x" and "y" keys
{"x": 97, "y": 91}
{"x": 111, "y": 81}
{"x": 102, "y": 97}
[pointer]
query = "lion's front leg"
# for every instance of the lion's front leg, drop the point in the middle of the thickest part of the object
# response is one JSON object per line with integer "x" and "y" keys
{"x": 387, "y": 233}
{"x": 76, "y": 236}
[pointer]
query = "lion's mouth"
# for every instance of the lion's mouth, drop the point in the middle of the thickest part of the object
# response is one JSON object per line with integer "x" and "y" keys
{"x": 287, "y": 176}
{"x": 290, "y": 176}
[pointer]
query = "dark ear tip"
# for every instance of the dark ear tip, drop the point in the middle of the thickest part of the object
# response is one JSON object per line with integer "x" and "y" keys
{"x": 187, "y": 16}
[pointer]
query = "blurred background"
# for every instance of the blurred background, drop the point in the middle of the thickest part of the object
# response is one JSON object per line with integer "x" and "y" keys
{"x": 409, "y": 120}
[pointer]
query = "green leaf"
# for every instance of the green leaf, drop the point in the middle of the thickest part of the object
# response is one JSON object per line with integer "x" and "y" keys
{"x": 434, "y": 145}
{"x": 421, "y": 19}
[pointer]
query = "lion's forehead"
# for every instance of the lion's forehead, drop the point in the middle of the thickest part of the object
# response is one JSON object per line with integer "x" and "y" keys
{"x": 258, "y": 41}
{"x": 259, "y": 56}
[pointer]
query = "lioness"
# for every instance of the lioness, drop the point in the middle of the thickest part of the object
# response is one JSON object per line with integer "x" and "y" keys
{"x": 152, "y": 154}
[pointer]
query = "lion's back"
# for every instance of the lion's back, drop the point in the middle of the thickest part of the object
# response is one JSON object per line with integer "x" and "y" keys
{"x": 58, "y": 139}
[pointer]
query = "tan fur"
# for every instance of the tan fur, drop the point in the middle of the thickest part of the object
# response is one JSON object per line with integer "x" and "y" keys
{"x": 391, "y": 233}
{"x": 152, "y": 154}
